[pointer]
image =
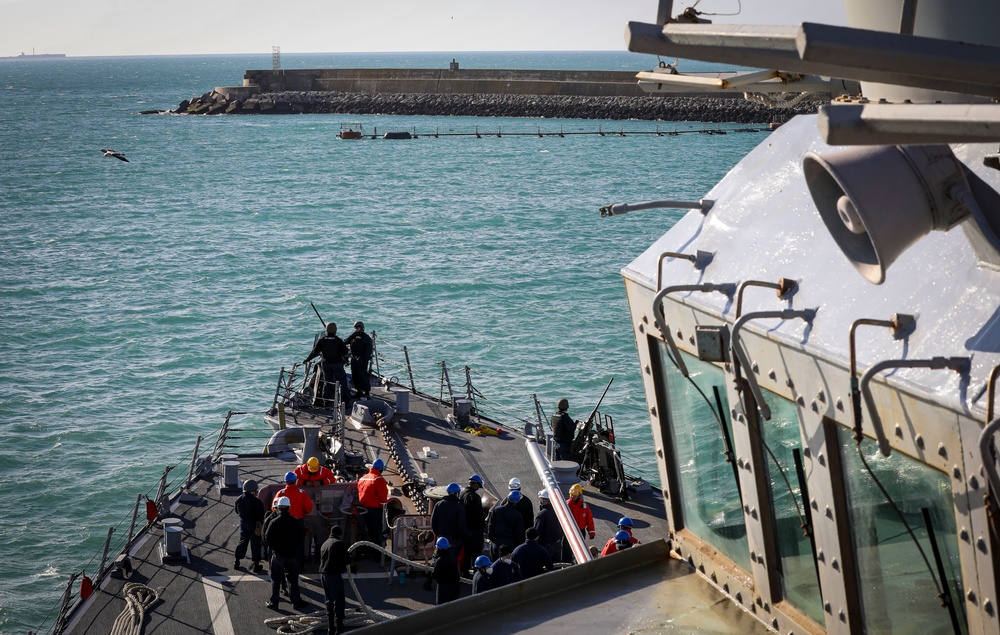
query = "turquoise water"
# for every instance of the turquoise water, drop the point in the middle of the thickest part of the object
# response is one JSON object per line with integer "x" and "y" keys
{"x": 143, "y": 300}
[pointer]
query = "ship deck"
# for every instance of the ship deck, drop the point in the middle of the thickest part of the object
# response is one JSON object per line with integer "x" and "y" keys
{"x": 642, "y": 589}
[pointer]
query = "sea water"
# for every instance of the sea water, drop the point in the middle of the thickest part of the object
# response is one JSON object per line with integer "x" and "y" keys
{"x": 141, "y": 301}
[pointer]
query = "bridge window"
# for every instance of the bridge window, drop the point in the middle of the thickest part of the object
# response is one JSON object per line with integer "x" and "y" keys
{"x": 898, "y": 588}
{"x": 797, "y": 568}
{"x": 709, "y": 497}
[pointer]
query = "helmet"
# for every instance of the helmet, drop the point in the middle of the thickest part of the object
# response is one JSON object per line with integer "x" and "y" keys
{"x": 622, "y": 536}
{"x": 379, "y": 465}
{"x": 475, "y": 478}
{"x": 483, "y": 561}
{"x": 624, "y": 521}
{"x": 313, "y": 464}
{"x": 250, "y": 486}
{"x": 563, "y": 404}
{"x": 453, "y": 488}
{"x": 290, "y": 477}
{"x": 514, "y": 496}
{"x": 576, "y": 490}
{"x": 359, "y": 324}
{"x": 442, "y": 543}
{"x": 543, "y": 494}
{"x": 282, "y": 502}
{"x": 514, "y": 483}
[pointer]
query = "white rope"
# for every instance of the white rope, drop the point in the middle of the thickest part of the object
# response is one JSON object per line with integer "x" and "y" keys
{"x": 138, "y": 597}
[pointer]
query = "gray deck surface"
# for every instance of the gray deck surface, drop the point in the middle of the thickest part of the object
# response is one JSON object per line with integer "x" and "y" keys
{"x": 237, "y": 597}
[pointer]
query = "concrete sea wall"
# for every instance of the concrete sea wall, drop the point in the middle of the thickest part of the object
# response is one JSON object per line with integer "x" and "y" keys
{"x": 609, "y": 95}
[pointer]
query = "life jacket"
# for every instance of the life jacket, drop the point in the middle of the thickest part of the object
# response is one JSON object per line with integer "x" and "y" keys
{"x": 301, "y": 503}
{"x": 373, "y": 491}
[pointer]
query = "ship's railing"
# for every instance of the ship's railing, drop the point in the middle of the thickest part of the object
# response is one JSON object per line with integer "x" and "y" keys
{"x": 150, "y": 506}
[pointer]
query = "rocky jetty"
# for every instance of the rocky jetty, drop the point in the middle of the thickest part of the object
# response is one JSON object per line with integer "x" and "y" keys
{"x": 719, "y": 109}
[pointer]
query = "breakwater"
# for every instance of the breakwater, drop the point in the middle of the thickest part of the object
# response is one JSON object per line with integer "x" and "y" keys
{"x": 609, "y": 95}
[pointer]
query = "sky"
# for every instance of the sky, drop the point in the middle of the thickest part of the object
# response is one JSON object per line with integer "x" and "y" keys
{"x": 137, "y": 27}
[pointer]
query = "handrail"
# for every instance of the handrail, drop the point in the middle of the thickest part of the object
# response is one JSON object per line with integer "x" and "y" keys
{"x": 961, "y": 365}
{"x": 725, "y": 288}
{"x": 570, "y": 530}
{"x": 741, "y": 356}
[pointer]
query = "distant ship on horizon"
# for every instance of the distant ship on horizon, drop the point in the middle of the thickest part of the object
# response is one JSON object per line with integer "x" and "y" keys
{"x": 34, "y": 56}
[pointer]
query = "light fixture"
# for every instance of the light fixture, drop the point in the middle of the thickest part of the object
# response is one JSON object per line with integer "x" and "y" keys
{"x": 877, "y": 201}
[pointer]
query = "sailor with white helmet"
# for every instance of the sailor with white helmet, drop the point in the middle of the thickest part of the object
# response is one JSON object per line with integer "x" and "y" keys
{"x": 523, "y": 504}
{"x": 284, "y": 535}
{"x": 550, "y": 533}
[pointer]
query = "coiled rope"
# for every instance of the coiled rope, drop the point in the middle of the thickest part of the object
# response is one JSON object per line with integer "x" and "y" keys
{"x": 303, "y": 624}
{"x": 138, "y": 598}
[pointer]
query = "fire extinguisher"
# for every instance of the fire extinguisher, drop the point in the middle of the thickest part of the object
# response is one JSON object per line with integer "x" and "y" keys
{"x": 312, "y": 548}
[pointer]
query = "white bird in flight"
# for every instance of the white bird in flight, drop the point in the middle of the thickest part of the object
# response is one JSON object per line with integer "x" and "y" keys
{"x": 114, "y": 153}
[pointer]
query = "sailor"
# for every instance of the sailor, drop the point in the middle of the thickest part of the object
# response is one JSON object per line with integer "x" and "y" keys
{"x": 301, "y": 503}
{"x": 445, "y": 572}
{"x": 504, "y": 526}
{"x": 582, "y": 514}
{"x": 251, "y": 512}
{"x": 361, "y": 346}
{"x": 312, "y": 474}
{"x": 284, "y": 535}
{"x": 623, "y": 540}
{"x": 523, "y": 505}
{"x": 505, "y": 570}
{"x": 532, "y": 558}
{"x": 563, "y": 431}
{"x": 475, "y": 520}
{"x": 550, "y": 533}
{"x": 334, "y": 355}
{"x": 482, "y": 580}
{"x": 333, "y": 561}
{"x": 611, "y": 546}
{"x": 448, "y": 518}
{"x": 373, "y": 494}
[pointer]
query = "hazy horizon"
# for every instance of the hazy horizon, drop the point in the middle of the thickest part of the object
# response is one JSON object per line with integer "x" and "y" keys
{"x": 113, "y": 28}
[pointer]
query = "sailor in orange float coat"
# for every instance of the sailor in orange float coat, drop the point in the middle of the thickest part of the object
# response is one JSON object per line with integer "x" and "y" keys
{"x": 311, "y": 473}
{"x": 581, "y": 511}
{"x": 301, "y": 504}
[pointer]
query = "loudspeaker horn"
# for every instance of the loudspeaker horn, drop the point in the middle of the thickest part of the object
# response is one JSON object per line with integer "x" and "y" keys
{"x": 877, "y": 201}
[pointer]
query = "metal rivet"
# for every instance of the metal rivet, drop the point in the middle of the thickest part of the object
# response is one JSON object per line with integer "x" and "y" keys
{"x": 774, "y": 623}
{"x": 772, "y": 375}
{"x": 642, "y": 329}
{"x": 973, "y": 482}
{"x": 645, "y": 319}
{"x": 963, "y": 533}
{"x": 680, "y": 335}
{"x": 755, "y": 368}
{"x": 713, "y": 577}
{"x": 942, "y": 451}
{"x": 820, "y": 556}
{"x": 840, "y": 404}
{"x": 828, "y": 608}
{"x": 790, "y": 383}
{"x": 971, "y": 596}
{"x": 725, "y": 587}
{"x": 799, "y": 400}
{"x": 739, "y": 597}
{"x": 821, "y": 459}
{"x": 814, "y": 504}
{"x": 814, "y": 406}
{"x": 988, "y": 606}
{"x": 842, "y": 616}
{"x": 899, "y": 431}
{"x": 981, "y": 544}
{"x": 649, "y": 371}
{"x": 821, "y": 395}
{"x": 919, "y": 441}
{"x": 753, "y": 556}
{"x": 835, "y": 565}
{"x": 828, "y": 512}
{"x": 652, "y": 411}
{"x": 659, "y": 452}
{"x": 807, "y": 453}
{"x": 957, "y": 473}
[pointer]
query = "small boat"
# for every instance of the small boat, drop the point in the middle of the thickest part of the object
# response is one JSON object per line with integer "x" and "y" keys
{"x": 397, "y": 135}
{"x": 351, "y": 131}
